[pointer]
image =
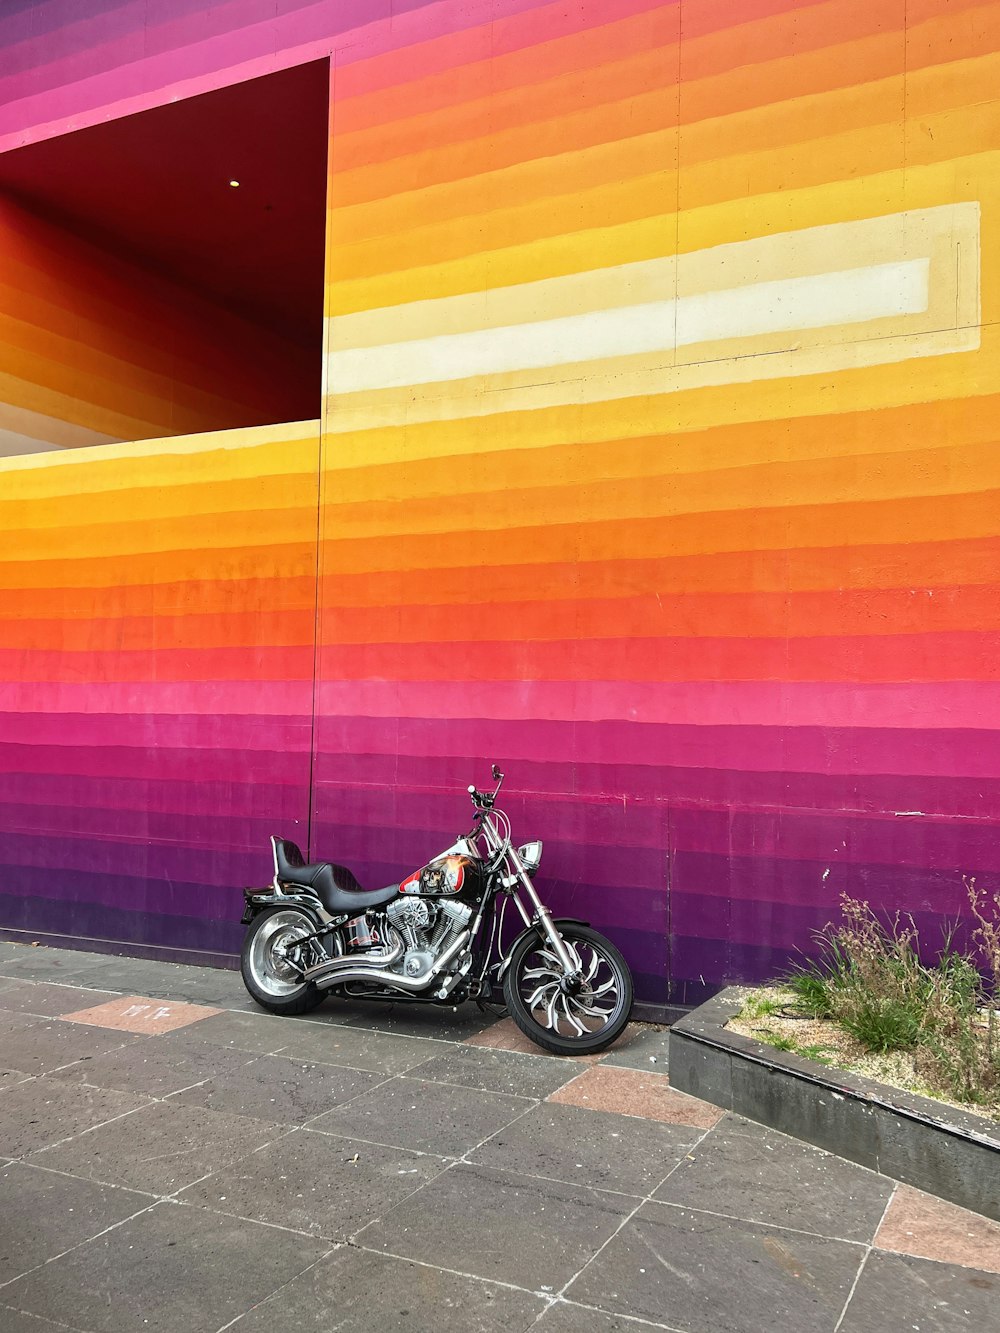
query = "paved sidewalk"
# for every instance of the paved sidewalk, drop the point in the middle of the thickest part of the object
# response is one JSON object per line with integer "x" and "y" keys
{"x": 172, "y": 1158}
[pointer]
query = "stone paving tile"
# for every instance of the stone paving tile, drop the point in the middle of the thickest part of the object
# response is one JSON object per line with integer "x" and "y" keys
{"x": 411, "y": 1020}
{"x": 534, "y": 1233}
{"x": 141, "y": 1014}
{"x": 631, "y": 1092}
{"x": 161, "y": 1148}
{"x": 157, "y": 1065}
{"x": 505, "y": 1035}
{"x": 568, "y": 1318}
{"x": 641, "y": 1046}
{"x": 45, "y": 1213}
{"x": 355, "y": 1291}
{"x": 257, "y": 1033}
{"x": 43, "y": 964}
{"x": 747, "y": 1171}
{"x": 44, "y": 1111}
{"x": 497, "y": 1071}
{"x": 707, "y": 1274}
{"x": 316, "y": 1183}
{"x": 587, "y": 1148}
{"x": 9, "y": 1078}
{"x": 169, "y": 1269}
{"x": 920, "y": 1224}
{"x": 357, "y": 1047}
{"x": 426, "y": 1117}
{"x": 219, "y": 987}
{"x": 897, "y": 1294}
{"x": 16, "y": 1321}
{"x": 276, "y": 1089}
{"x": 46, "y": 1046}
{"x": 11, "y": 1022}
{"x": 30, "y": 997}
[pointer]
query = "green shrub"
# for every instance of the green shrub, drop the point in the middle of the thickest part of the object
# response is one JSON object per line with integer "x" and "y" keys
{"x": 869, "y": 977}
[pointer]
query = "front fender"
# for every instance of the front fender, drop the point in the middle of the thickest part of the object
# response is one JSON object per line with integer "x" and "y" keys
{"x": 536, "y": 929}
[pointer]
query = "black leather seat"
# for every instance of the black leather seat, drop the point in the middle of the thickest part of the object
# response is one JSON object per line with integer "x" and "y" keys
{"x": 335, "y": 886}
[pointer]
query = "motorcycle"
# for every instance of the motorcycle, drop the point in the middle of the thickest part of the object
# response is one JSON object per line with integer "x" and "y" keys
{"x": 436, "y": 937}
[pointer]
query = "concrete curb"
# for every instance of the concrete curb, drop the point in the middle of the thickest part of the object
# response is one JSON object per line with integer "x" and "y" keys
{"x": 924, "y": 1143}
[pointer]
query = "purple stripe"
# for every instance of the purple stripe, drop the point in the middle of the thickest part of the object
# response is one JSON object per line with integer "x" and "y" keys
{"x": 144, "y": 762}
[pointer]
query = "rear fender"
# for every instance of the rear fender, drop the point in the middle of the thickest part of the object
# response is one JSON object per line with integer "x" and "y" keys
{"x": 255, "y": 901}
{"x": 536, "y": 929}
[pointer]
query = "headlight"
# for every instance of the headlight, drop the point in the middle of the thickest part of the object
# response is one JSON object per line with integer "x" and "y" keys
{"x": 530, "y": 855}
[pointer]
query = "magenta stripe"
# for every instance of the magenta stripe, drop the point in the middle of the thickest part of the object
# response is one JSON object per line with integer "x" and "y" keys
{"x": 944, "y": 753}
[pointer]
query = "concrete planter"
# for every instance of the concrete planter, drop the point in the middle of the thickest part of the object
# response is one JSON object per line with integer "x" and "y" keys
{"x": 921, "y": 1142}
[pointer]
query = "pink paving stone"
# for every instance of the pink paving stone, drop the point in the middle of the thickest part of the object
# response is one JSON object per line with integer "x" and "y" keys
{"x": 138, "y": 1013}
{"x": 929, "y": 1228}
{"x": 633, "y": 1092}
{"x": 507, "y": 1036}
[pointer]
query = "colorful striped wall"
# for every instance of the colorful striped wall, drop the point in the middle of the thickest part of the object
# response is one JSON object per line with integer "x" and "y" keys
{"x": 657, "y": 464}
{"x": 96, "y": 348}
{"x": 157, "y": 604}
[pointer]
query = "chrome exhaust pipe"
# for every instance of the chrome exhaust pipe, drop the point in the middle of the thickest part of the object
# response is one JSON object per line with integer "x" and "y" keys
{"x": 353, "y": 969}
{"x": 336, "y": 966}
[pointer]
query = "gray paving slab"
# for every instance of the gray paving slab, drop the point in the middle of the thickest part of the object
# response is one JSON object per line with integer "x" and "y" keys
{"x": 511, "y": 1072}
{"x": 45, "y": 1213}
{"x": 173, "y": 981}
{"x": 428, "y": 1117}
{"x": 9, "y": 1078}
{"x": 11, "y": 1022}
{"x": 641, "y": 1046}
{"x": 316, "y": 1183}
{"x": 50, "y": 965}
{"x": 161, "y": 1148}
{"x": 897, "y": 1294}
{"x": 565, "y": 1317}
{"x": 278, "y": 1089}
{"x": 258, "y": 1033}
{"x": 707, "y": 1274}
{"x": 444, "y": 1022}
{"x": 533, "y": 1233}
{"x": 156, "y": 1065}
{"x": 593, "y": 1148}
{"x": 16, "y": 1321}
{"x": 40, "y": 1112}
{"x": 49, "y": 1000}
{"x": 46, "y": 1046}
{"x": 747, "y": 1171}
{"x": 358, "y": 1047}
{"x": 169, "y": 1269}
{"x": 355, "y": 1291}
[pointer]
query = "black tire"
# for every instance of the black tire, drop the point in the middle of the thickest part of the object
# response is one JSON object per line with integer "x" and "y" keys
{"x": 269, "y": 980}
{"x": 531, "y": 987}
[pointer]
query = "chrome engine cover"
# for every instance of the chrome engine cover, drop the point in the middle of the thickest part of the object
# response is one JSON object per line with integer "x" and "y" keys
{"x": 427, "y": 927}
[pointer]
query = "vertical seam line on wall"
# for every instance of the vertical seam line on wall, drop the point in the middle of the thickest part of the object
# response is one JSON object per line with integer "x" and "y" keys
{"x": 320, "y": 469}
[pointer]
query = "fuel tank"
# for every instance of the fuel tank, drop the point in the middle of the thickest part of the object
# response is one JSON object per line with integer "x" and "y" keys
{"x": 454, "y": 875}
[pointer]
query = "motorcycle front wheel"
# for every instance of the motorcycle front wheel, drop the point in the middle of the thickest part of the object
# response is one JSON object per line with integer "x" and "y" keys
{"x": 268, "y": 972}
{"x": 569, "y": 1020}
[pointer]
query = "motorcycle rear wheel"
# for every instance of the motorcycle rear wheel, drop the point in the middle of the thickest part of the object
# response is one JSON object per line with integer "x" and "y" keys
{"x": 267, "y": 974}
{"x": 556, "y": 1020}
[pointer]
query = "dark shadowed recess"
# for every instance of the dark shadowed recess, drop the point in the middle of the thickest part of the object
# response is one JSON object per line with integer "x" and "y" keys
{"x": 155, "y": 188}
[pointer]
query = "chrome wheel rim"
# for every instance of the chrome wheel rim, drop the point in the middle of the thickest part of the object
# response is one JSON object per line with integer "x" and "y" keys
{"x": 594, "y": 1007}
{"x": 273, "y": 950}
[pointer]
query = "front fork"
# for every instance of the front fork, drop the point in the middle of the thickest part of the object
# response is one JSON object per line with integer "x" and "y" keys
{"x": 568, "y": 960}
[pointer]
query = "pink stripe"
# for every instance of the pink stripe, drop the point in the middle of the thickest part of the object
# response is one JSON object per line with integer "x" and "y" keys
{"x": 924, "y": 705}
{"x": 287, "y": 698}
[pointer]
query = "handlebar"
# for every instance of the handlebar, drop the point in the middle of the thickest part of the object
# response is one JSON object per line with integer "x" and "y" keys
{"x": 484, "y": 800}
